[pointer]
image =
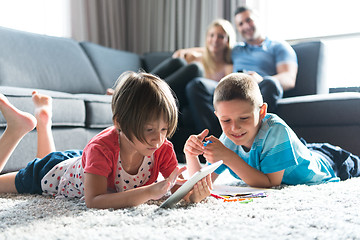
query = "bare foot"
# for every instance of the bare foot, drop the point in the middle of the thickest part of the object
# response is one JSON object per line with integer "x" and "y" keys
{"x": 109, "y": 91}
{"x": 18, "y": 122}
{"x": 43, "y": 109}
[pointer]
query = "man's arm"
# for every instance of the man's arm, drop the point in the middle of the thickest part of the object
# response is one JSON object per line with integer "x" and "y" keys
{"x": 286, "y": 75}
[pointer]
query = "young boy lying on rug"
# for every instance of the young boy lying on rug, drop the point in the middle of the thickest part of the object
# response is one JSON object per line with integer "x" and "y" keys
{"x": 119, "y": 166}
{"x": 259, "y": 148}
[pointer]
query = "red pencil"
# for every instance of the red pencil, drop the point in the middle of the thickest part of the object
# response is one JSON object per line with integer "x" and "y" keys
{"x": 216, "y": 196}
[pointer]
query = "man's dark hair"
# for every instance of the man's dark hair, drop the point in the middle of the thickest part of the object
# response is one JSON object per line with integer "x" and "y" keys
{"x": 241, "y": 10}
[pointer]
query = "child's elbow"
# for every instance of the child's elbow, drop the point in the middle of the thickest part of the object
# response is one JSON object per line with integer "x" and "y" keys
{"x": 92, "y": 203}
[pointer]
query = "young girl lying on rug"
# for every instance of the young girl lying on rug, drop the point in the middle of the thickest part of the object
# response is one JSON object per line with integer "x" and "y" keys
{"x": 119, "y": 166}
{"x": 259, "y": 148}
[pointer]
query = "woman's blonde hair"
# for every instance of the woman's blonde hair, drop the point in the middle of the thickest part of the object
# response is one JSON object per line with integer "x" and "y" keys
{"x": 140, "y": 98}
{"x": 208, "y": 61}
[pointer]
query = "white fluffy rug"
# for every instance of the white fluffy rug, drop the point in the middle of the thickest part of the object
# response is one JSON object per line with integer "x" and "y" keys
{"x": 328, "y": 211}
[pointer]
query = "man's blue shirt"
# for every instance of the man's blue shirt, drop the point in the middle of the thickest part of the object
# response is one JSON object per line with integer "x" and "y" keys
{"x": 262, "y": 59}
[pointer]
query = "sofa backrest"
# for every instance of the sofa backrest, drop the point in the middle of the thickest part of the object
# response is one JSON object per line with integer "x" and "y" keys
{"x": 109, "y": 63}
{"x": 309, "y": 79}
{"x": 37, "y": 61}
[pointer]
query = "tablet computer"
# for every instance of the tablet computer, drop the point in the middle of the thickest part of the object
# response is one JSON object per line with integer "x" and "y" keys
{"x": 189, "y": 184}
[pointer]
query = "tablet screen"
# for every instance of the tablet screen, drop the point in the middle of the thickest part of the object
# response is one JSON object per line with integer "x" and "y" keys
{"x": 189, "y": 184}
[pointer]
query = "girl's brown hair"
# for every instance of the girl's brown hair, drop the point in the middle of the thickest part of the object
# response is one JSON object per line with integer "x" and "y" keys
{"x": 140, "y": 98}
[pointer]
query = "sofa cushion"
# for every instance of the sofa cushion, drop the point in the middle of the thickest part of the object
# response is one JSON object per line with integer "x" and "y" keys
{"x": 68, "y": 110}
{"x": 110, "y": 63}
{"x": 98, "y": 110}
{"x": 38, "y": 61}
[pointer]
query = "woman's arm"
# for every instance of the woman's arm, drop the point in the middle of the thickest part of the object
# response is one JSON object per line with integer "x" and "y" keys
{"x": 190, "y": 54}
{"x": 229, "y": 69}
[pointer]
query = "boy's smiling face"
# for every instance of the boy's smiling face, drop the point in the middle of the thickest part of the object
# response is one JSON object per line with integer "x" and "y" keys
{"x": 240, "y": 121}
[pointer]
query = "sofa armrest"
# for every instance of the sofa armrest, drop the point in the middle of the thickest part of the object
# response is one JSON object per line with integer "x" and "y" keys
{"x": 321, "y": 109}
{"x": 325, "y": 118}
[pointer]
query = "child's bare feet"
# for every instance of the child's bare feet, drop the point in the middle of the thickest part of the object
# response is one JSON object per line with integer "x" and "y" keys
{"x": 109, "y": 91}
{"x": 43, "y": 114}
{"x": 43, "y": 109}
{"x": 18, "y": 122}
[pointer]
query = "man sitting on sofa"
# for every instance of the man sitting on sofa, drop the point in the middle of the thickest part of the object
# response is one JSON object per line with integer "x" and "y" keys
{"x": 272, "y": 63}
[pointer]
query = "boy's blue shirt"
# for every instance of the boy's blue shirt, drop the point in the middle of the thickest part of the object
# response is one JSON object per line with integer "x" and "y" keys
{"x": 276, "y": 147}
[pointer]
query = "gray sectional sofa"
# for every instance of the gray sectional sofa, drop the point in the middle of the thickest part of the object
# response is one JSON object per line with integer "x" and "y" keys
{"x": 77, "y": 74}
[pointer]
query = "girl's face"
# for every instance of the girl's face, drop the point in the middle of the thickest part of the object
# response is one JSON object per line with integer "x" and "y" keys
{"x": 155, "y": 133}
{"x": 216, "y": 39}
{"x": 240, "y": 121}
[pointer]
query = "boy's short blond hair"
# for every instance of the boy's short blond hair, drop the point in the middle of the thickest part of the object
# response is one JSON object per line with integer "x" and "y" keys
{"x": 140, "y": 98}
{"x": 238, "y": 86}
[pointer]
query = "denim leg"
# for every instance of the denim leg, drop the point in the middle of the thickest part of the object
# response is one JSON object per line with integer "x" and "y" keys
{"x": 271, "y": 91}
{"x": 180, "y": 78}
{"x": 344, "y": 163}
{"x": 200, "y": 92}
{"x": 168, "y": 67}
{"x": 28, "y": 179}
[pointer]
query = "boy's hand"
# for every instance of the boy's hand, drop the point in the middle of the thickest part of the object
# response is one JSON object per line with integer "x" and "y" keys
{"x": 215, "y": 150}
{"x": 201, "y": 190}
{"x": 194, "y": 144}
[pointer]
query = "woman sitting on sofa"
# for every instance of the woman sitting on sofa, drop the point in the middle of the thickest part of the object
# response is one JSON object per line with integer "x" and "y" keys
{"x": 215, "y": 57}
{"x": 212, "y": 61}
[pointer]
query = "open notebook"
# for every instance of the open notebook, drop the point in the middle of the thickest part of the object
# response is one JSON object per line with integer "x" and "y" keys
{"x": 236, "y": 191}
